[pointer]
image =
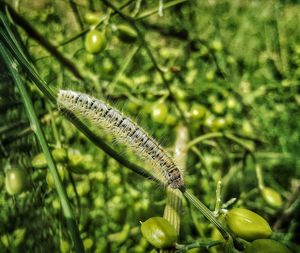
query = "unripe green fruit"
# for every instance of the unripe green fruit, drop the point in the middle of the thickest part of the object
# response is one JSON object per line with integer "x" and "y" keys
{"x": 218, "y": 124}
{"x": 197, "y": 112}
{"x": 59, "y": 154}
{"x": 83, "y": 188}
{"x": 210, "y": 75}
{"x": 219, "y": 107}
{"x": 247, "y": 224}
{"x": 231, "y": 103}
{"x": 95, "y": 41}
{"x": 266, "y": 246}
{"x": 92, "y": 18}
{"x": 15, "y": 181}
{"x": 171, "y": 120}
{"x": 49, "y": 177}
{"x": 77, "y": 162}
{"x": 88, "y": 243}
{"x": 216, "y": 45}
{"x": 178, "y": 93}
{"x": 159, "y": 112}
{"x": 127, "y": 34}
{"x": 39, "y": 161}
{"x": 159, "y": 232}
{"x": 247, "y": 128}
{"x": 64, "y": 246}
{"x": 229, "y": 118}
{"x": 272, "y": 197}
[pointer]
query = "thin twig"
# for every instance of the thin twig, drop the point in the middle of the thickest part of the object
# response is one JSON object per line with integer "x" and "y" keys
{"x": 76, "y": 13}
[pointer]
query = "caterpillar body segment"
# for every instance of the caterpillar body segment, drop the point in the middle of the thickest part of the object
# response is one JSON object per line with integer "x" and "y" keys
{"x": 124, "y": 130}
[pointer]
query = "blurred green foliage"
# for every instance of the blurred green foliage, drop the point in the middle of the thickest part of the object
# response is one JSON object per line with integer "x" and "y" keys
{"x": 232, "y": 66}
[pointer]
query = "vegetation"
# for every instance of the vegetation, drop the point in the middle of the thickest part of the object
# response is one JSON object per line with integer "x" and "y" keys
{"x": 215, "y": 82}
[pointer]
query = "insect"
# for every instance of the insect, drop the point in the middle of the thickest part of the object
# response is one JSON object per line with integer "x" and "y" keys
{"x": 124, "y": 131}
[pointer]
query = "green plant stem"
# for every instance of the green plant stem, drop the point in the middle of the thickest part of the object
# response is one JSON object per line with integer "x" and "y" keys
{"x": 13, "y": 137}
{"x": 33, "y": 33}
{"x": 206, "y": 212}
{"x": 259, "y": 176}
{"x": 124, "y": 65}
{"x": 137, "y": 8}
{"x": 207, "y": 169}
{"x": 8, "y": 38}
{"x": 53, "y": 126}
{"x": 76, "y": 196}
{"x": 218, "y": 198}
{"x": 292, "y": 206}
{"x": 148, "y": 13}
{"x": 34, "y": 122}
{"x": 205, "y": 245}
{"x": 174, "y": 197}
{"x": 228, "y": 136}
{"x": 12, "y": 126}
{"x": 205, "y": 137}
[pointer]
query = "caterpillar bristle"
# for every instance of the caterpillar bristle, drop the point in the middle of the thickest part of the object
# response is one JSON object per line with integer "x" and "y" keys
{"x": 124, "y": 131}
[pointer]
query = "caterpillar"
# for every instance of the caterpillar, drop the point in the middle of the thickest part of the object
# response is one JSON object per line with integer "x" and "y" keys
{"x": 124, "y": 131}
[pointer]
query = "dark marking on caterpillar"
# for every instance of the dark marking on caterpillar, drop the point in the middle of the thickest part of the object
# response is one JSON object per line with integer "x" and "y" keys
{"x": 124, "y": 131}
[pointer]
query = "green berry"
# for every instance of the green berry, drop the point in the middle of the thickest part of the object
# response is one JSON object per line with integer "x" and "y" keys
{"x": 126, "y": 33}
{"x": 49, "y": 177}
{"x": 198, "y": 112}
{"x": 272, "y": 197}
{"x": 92, "y": 18}
{"x": 39, "y": 161}
{"x": 159, "y": 112}
{"x": 217, "y": 45}
{"x": 59, "y": 154}
{"x": 266, "y": 246}
{"x": 95, "y": 41}
{"x": 247, "y": 224}
{"x": 159, "y": 232}
{"x": 15, "y": 181}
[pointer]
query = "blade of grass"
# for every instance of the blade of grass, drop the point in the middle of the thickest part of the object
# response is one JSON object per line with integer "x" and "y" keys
{"x": 207, "y": 213}
{"x": 35, "y": 126}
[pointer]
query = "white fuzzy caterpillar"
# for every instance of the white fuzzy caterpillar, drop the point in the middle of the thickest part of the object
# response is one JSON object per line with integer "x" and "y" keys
{"x": 123, "y": 129}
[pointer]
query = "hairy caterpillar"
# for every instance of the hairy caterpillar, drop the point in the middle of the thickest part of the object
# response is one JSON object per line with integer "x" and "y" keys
{"x": 124, "y": 130}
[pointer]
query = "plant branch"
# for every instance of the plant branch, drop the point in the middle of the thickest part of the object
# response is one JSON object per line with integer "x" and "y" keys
{"x": 206, "y": 245}
{"x": 228, "y": 136}
{"x": 35, "y": 126}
